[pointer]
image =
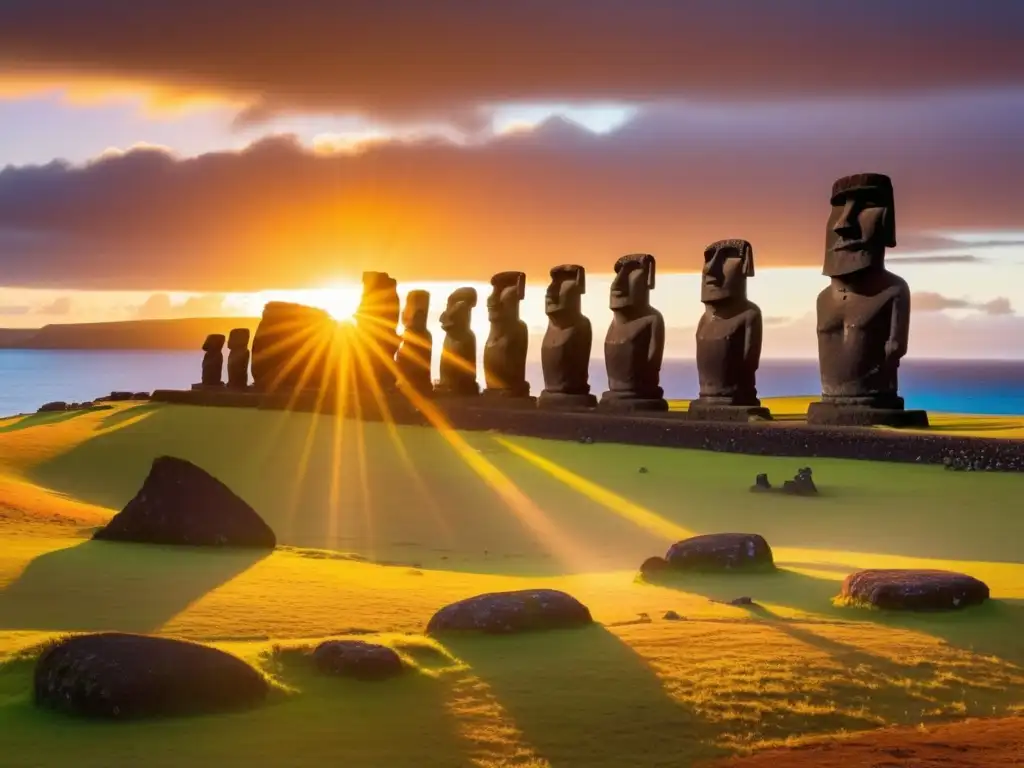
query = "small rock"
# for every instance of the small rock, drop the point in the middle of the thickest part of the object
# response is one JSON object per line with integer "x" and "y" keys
{"x": 672, "y": 616}
{"x": 511, "y": 612}
{"x": 643, "y": 470}
{"x": 761, "y": 484}
{"x": 357, "y": 659}
{"x": 741, "y": 601}
{"x": 721, "y": 552}
{"x": 54, "y": 407}
{"x": 652, "y": 566}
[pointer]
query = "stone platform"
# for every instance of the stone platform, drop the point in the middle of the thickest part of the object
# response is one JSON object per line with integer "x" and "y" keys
{"x": 557, "y": 401}
{"x": 699, "y": 411}
{"x": 830, "y": 415}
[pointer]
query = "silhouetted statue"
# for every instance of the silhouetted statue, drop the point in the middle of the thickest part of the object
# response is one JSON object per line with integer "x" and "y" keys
{"x": 213, "y": 360}
{"x": 508, "y": 339}
{"x": 458, "y": 355}
{"x": 635, "y": 343}
{"x": 864, "y": 314}
{"x": 377, "y": 321}
{"x": 238, "y": 359}
{"x": 295, "y": 348}
{"x": 565, "y": 351}
{"x": 728, "y": 336}
{"x": 414, "y": 354}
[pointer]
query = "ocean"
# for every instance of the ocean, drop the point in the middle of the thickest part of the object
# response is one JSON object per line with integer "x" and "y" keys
{"x": 29, "y": 378}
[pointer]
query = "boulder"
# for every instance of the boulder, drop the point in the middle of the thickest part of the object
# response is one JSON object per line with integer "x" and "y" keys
{"x": 122, "y": 676}
{"x": 358, "y": 659}
{"x": 179, "y": 503}
{"x": 295, "y": 346}
{"x": 721, "y": 552}
{"x": 653, "y": 566}
{"x": 761, "y": 484}
{"x": 913, "y": 589}
{"x": 54, "y": 407}
{"x": 802, "y": 484}
{"x": 510, "y": 612}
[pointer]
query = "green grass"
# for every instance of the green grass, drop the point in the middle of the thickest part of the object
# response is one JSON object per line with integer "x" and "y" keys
{"x": 373, "y": 543}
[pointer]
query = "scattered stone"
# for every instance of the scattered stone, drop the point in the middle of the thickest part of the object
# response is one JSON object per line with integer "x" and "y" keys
{"x": 741, "y": 601}
{"x": 510, "y": 612}
{"x": 357, "y": 659}
{"x": 54, "y": 407}
{"x": 141, "y": 396}
{"x": 672, "y": 616}
{"x": 761, "y": 484}
{"x": 801, "y": 484}
{"x": 652, "y": 566}
{"x": 721, "y": 552}
{"x": 120, "y": 396}
{"x": 643, "y": 470}
{"x": 180, "y": 503}
{"x": 123, "y": 676}
{"x": 913, "y": 589}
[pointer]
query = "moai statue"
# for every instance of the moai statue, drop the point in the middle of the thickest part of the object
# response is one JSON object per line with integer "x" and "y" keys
{"x": 864, "y": 313}
{"x": 213, "y": 362}
{"x": 377, "y": 322}
{"x": 238, "y": 359}
{"x": 508, "y": 339}
{"x": 565, "y": 351}
{"x": 728, "y": 337}
{"x": 415, "y": 353}
{"x": 458, "y": 355}
{"x": 635, "y": 343}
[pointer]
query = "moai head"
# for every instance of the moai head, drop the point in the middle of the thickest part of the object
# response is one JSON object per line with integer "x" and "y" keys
{"x": 238, "y": 338}
{"x": 633, "y": 282}
{"x": 507, "y": 290}
{"x": 458, "y": 315}
{"x": 567, "y": 286}
{"x": 727, "y": 265}
{"x": 379, "y": 302}
{"x": 862, "y": 224}
{"x": 417, "y": 306}
{"x": 214, "y": 342}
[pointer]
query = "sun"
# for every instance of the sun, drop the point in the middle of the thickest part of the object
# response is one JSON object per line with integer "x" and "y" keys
{"x": 340, "y": 301}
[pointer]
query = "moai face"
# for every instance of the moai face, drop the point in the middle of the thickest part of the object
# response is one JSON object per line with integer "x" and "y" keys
{"x": 214, "y": 342}
{"x": 457, "y": 316}
{"x": 238, "y": 338}
{"x": 633, "y": 282}
{"x": 567, "y": 286}
{"x": 417, "y": 306}
{"x": 507, "y": 290}
{"x": 727, "y": 265}
{"x": 862, "y": 224}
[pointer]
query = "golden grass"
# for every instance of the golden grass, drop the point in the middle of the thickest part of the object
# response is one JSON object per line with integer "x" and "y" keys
{"x": 637, "y": 690}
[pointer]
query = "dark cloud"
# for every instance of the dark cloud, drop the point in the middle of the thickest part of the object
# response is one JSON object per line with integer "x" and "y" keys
{"x": 279, "y": 216}
{"x": 409, "y": 57}
{"x": 927, "y": 301}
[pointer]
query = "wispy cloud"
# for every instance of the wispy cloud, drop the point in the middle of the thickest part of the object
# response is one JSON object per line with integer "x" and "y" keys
{"x": 935, "y": 302}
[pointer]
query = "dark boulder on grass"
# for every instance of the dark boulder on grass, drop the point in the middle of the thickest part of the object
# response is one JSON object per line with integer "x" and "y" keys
{"x": 721, "y": 552}
{"x": 913, "y": 589}
{"x": 55, "y": 407}
{"x": 510, "y": 612}
{"x": 179, "y": 503}
{"x": 357, "y": 659}
{"x": 122, "y": 676}
{"x": 653, "y": 567}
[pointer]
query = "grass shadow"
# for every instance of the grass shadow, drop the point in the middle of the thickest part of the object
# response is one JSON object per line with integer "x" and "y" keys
{"x": 43, "y": 419}
{"x": 995, "y": 628}
{"x": 122, "y": 415}
{"x": 579, "y": 697}
{"x": 98, "y": 585}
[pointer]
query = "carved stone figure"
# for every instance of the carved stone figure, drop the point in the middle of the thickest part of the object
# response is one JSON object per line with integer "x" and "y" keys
{"x": 508, "y": 339}
{"x": 728, "y": 336}
{"x": 213, "y": 361}
{"x": 458, "y": 355}
{"x": 377, "y": 321}
{"x": 238, "y": 358}
{"x": 635, "y": 343}
{"x": 295, "y": 348}
{"x": 565, "y": 351}
{"x": 415, "y": 353}
{"x": 864, "y": 313}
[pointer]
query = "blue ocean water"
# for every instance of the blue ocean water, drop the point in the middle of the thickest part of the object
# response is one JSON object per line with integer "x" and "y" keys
{"x": 29, "y": 378}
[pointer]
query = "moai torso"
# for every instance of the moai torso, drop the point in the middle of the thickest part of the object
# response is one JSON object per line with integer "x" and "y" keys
{"x": 414, "y": 355}
{"x": 213, "y": 360}
{"x": 633, "y": 352}
{"x": 238, "y": 358}
{"x": 508, "y": 338}
{"x": 728, "y": 354}
{"x": 458, "y": 352}
{"x": 568, "y": 340}
{"x": 377, "y": 321}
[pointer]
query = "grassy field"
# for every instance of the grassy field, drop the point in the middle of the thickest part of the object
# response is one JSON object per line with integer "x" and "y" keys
{"x": 382, "y": 526}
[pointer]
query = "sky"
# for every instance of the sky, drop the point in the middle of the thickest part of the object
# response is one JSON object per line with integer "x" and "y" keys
{"x": 197, "y": 159}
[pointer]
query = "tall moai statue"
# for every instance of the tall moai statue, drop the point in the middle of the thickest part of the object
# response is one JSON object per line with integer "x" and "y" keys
{"x": 377, "y": 322}
{"x": 864, "y": 313}
{"x": 458, "y": 354}
{"x": 507, "y": 341}
{"x": 728, "y": 337}
{"x": 417, "y": 346}
{"x": 238, "y": 359}
{"x": 568, "y": 341}
{"x": 635, "y": 344}
{"x": 213, "y": 362}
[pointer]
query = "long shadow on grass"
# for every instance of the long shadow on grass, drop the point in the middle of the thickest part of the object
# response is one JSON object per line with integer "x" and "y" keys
{"x": 42, "y": 419}
{"x": 579, "y": 697}
{"x": 100, "y": 585}
{"x": 994, "y": 628}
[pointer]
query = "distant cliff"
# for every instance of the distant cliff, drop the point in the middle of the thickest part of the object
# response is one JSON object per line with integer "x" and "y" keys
{"x": 185, "y": 333}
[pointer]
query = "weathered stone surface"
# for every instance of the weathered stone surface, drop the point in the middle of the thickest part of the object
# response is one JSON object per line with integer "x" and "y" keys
{"x": 802, "y": 484}
{"x": 414, "y": 355}
{"x": 180, "y": 503}
{"x": 238, "y": 359}
{"x": 377, "y": 323}
{"x": 123, "y": 676}
{"x": 829, "y": 414}
{"x": 296, "y": 347}
{"x": 54, "y": 407}
{"x": 458, "y": 354}
{"x": 213, "y": 361}
{"x": 568, "y": 341}
{"x": 510, "y": 612}
{"x": 761, "y": 483}
{"x": 721, "y": 552}
{"x": 913, "y": 589}
{"x": 508, "y": 338}
{"x": 653, "y": 566}
{"x": 357, "y": 659}
{"x": 635, "y": 343}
